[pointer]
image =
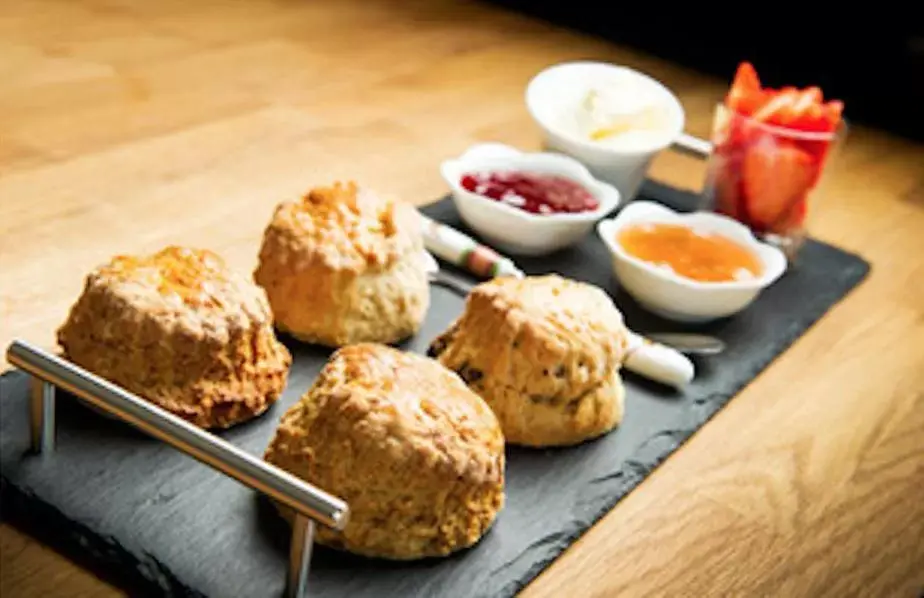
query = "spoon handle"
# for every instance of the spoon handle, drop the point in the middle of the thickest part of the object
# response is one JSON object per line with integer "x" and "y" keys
{"x": 465, "y": 252}
{"x": 658, "y": 362}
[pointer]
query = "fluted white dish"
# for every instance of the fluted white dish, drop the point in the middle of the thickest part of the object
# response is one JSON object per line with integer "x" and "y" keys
{"x": 512, "y": 230}
{"x": 667, "y": 294}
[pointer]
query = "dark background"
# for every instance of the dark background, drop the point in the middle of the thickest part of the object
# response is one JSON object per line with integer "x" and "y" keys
{"x": 871, "y": 59}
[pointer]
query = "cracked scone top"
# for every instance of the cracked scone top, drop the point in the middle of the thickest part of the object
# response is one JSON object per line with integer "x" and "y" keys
{"x": 180, "y": 329}
{"x": 544, "y": 352}
{"x": 416, "y": 455}
{"x": 344, "y": 265}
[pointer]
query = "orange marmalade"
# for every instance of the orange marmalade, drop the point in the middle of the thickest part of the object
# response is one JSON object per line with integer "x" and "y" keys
{"x": 697, "y": 255}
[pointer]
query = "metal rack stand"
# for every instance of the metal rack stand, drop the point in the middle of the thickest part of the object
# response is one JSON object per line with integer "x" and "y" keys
{"x": 311, "y": 504}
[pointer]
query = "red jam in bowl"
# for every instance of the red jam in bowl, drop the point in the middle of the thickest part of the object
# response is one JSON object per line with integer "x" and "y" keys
{"x": 532, "y": 192}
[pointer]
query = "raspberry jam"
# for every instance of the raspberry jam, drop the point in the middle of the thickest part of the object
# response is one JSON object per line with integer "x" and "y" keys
{"x": 532, "y": 192}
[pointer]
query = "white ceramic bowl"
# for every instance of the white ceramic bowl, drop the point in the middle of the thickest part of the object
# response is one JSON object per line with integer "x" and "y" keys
{"x": 553, "y": 95}
{"x": 676, "y": 297}
{"x": 514, "y": 231}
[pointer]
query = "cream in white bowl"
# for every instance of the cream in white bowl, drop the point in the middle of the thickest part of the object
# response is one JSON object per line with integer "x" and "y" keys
{"x": 662, "y": 291}
{"x": 510, "y": 229}
{"x": 574, "y": 100}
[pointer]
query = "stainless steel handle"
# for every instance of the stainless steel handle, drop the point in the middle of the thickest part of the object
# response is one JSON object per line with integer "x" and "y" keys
{"x": 692, "y": 146}
{"x": 310, "y": 503}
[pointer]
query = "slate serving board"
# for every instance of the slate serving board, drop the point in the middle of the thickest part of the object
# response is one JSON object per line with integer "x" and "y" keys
{"x": 158, "y": 523}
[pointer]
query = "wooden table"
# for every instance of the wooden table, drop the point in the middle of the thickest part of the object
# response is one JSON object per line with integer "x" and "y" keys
{"x": 125, "y": 126}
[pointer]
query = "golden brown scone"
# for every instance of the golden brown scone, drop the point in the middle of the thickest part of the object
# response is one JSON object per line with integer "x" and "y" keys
{"x": 417, "y": 456}
{"x": 343, "y": 265}
{"x": 181, "y": 330}
{"x": 545, "y": 353}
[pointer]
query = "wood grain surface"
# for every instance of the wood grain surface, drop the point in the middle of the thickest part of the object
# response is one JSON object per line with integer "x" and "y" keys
{"x": 128, "y": 125}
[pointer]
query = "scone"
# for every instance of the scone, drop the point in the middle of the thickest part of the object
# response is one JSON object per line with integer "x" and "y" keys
{"x": 544, "y": 352}
{"x": 343, "y": 265}
{"x": 181, "y": 330}
{"x": 417, "y": 456}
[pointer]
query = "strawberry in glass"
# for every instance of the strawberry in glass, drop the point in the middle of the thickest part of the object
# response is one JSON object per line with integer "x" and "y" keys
{"x": 770, "y": 148}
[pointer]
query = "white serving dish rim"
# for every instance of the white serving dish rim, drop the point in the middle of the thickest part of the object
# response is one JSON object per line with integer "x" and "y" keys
{"x": 678, "y": 113}
{"x": 773, "y": 260}
{"x": 508, "y": 158}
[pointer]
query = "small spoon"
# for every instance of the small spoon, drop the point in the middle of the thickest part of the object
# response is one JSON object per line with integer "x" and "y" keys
{"x": 689, "y": 343}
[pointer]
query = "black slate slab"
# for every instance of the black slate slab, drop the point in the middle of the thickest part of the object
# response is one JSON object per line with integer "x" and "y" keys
{"x": 156, "y": 522}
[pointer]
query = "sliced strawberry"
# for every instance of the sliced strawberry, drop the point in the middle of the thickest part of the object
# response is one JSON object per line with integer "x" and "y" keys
{"x": 811, "y": 118}
{"x": 788, "y": 107}
{"x": 818, "y": 118}
{"x": 779, "y": 109}
{"x": 745, "y": 95}
{"x": 774, "y": 177}
{"x": 747, "y": 104}
{"x": 746, "y": 78}
{"x": 794, "y": 219}
{"x": 833, "y": 111}
{"x": 809, "y": 112}
{"x": 809, "y": 97}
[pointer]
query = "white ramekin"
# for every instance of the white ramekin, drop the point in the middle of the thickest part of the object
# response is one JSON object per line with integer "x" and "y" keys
{"x": 514, "y": 231}
{"x": 559, "y": 89}
{"x": 678, "y": 298}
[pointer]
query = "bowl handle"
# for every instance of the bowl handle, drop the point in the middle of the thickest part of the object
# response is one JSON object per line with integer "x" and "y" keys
{"x": 695, "y": 147}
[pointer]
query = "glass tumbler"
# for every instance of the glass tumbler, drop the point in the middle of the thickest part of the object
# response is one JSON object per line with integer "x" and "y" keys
{"x": 766, "y": 176}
